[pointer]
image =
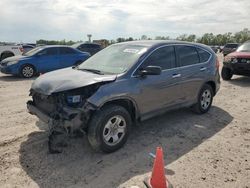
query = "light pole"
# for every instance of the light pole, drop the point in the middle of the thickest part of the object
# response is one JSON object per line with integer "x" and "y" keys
{"x": 89, "y": 36}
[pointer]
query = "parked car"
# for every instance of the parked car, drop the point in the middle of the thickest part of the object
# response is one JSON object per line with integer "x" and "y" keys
{"x": 91, "y": 48}
{"x": 214, "y": 48}
{"x": 27, "y": 47}
{"x": 237, "y": 62}
{"x": 8, "y": 50}
{"x": 42, "y": 59}
{"x": 230, "y": 47}
{"x": 123, "y": 84}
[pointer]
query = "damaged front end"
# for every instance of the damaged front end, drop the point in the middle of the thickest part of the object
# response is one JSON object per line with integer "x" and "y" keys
{"x": 66, "y": 113}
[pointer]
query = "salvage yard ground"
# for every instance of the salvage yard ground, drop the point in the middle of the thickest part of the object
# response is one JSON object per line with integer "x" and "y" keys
{"x": 211, "y": 150}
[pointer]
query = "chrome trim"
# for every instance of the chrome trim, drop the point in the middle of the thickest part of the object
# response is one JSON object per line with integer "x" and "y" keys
{"x": 203, "y": 68}
{"x": 135, "y": 76}
{"x": 176, "y": 76}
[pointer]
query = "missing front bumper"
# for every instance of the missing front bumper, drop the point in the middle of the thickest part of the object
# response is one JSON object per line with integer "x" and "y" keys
{"x": 32, "y": 109}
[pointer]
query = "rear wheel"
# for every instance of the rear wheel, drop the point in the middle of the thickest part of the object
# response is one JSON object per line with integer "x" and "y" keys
{"x": 27, "y": 71}
{"x": 205, "y": 100}
{"x": 226, "y": 73}
{"x": 109, "y": 128}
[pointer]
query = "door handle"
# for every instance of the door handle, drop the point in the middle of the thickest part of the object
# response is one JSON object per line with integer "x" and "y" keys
{"x": 203, "y": 68}
{"x": 176, "y": 75}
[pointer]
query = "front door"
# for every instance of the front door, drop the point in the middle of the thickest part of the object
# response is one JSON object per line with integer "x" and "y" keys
{"x": 47, "y": 60}
{"x": 159, "y": 91}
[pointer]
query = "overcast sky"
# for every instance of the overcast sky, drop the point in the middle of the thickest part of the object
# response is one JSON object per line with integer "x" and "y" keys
{"x": 30, "y": 20}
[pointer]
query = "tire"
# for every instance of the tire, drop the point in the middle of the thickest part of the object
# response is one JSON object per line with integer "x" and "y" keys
{"x": 226, "y": 73}
{"x": 205, "y": 100}
{"x": 6, "y": 55}
{"x": 27, "y": 71}
{"x": 104, "y": 126}
{"x": 78, "y": 63}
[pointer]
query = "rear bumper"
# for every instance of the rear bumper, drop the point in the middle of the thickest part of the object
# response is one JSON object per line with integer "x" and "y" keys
{"x": 32, "y": 109}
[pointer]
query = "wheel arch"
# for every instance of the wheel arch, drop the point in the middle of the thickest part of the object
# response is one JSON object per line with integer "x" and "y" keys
{"x": 213, "y": 85}
{"x": 128, "y": 104}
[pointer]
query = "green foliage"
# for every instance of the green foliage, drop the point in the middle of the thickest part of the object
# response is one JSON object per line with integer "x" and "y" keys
{"x": 207, "y": 38}
{"x": 222, "y": 39}
{"x": 162, "y": 38}
{"x": 55, "y": 42}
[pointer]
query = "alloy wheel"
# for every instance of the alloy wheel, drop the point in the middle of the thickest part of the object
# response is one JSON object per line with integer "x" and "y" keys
{"x": 114, "y": 130}
{"x": 206, "y": 98}
{"x": 27, "y": 71}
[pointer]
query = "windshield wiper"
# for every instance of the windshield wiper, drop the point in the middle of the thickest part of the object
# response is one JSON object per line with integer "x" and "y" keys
{"x": 93, "y": 70}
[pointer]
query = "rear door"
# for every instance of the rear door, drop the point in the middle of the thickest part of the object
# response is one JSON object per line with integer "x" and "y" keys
{"x": 47, "y": 59}
{"x": 68, "y": 57}
{"x": 159, "y": 91}
{"x": 194, "y": 67}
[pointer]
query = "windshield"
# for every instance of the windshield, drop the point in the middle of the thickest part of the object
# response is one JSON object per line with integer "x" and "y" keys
{"x": 244, "y": 47}
{"x": 115, "y": 59}
{"x": 33, "y": 51}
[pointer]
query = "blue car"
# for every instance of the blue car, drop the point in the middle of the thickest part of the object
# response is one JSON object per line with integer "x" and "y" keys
{"x": 42, "y": 59}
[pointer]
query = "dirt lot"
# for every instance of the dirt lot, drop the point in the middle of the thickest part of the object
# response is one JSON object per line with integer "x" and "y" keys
{"x": 212, "y": 150}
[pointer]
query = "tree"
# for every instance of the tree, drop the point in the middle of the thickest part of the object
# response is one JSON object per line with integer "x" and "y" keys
{"x": 120, "y": 40}
{"x": 144, "y": 37}
{"x": 129, "y": 39}
{"x": 191, "y": 38}
{"x": 162, "y": 38}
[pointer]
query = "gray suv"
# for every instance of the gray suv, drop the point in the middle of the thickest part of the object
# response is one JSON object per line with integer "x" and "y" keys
{"x": 121, "y": 85}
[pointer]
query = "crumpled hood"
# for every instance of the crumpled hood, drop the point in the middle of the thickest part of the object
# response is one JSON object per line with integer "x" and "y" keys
{"x": 67, "y": 79}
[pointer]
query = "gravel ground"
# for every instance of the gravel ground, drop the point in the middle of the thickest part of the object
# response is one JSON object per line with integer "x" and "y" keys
{"x": 211, "y": 150}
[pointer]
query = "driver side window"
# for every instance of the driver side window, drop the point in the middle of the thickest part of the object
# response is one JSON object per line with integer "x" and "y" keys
{"x": 163, "y": 57}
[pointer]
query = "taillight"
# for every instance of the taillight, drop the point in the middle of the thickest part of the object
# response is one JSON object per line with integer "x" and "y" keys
{"x": 217, "y": 63}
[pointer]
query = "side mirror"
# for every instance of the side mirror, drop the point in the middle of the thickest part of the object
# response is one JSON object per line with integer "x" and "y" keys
{"x": 151, "y": 70}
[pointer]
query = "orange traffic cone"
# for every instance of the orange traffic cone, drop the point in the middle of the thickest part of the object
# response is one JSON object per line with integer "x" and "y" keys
{"x": 158, "y": 178}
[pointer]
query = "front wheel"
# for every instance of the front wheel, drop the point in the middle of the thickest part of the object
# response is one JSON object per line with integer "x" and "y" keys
{"x": 205, "y": 100}
{"x": 27, "y": 71}
{"x": 109, "y": 128}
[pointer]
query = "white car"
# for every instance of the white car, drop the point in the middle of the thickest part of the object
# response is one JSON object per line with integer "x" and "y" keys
{"x": 10, "y": 50}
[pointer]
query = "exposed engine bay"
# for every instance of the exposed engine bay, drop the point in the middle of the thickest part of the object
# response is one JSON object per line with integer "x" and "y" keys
{"x": 67, "y": 113}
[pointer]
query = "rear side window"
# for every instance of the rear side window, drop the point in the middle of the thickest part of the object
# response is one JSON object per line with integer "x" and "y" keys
{"x": 187, "y": 55}
{"x": 67, "y": 51}
{"x": 48, "y": 52}
{"x": 204, "y": 55}
{"x": 163, "y": 57}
